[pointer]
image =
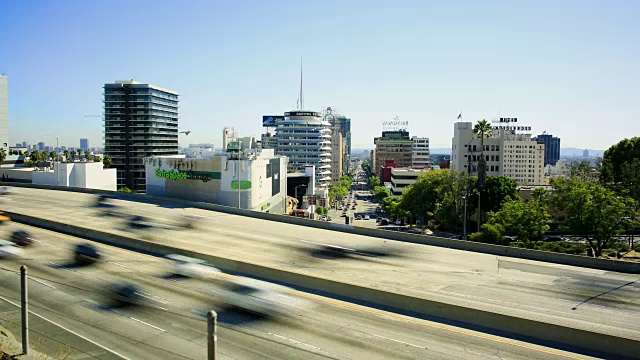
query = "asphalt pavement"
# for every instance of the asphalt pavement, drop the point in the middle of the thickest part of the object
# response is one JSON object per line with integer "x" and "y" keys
{"x": 72, "y": 310}
{"x": 594, "y": 300}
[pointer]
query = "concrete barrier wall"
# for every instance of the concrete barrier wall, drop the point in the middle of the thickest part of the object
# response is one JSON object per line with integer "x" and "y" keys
{"x": 549, "y": 333}
{"x": 558, "y": 258}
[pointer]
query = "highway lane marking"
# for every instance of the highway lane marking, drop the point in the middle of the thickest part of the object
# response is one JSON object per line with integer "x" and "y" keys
{"x": 295, "y": 341}
{"x": 398, "y": 341}
{"x": 142, "y": 322}
{"x": 70, "y": 331}
{"x": 115, "y": 263}
{"x": 43, "y": 283}
{"x": 424, "y": 323}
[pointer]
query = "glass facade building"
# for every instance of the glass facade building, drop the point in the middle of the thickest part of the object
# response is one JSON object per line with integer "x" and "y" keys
{"x": 551, "y": 148}
{"x": 140, "y": 120}
{"x": 305, "y": 138}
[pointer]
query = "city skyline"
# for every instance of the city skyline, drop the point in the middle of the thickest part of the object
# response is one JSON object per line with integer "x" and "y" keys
{"x": 562, "y": 76}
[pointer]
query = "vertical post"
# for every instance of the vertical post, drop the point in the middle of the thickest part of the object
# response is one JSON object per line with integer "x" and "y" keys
{"x": 238, "y": 180}
{"x": 212, "y": 336}
{"x": 24, "y": 306}
{"x": 464, "y": 219}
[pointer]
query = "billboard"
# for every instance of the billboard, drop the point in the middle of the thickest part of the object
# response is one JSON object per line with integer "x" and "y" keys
{"x": 271, "y": 120}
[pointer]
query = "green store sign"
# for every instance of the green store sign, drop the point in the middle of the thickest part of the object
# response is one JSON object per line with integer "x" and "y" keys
{"x": 244, "y": 184}
{"x": 203, "y": 176}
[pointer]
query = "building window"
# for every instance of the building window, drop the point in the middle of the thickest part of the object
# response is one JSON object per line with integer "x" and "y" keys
{"x": 497, "y": 157}
{"x": 497, "y": 147}
{"x": 497, "y": 167}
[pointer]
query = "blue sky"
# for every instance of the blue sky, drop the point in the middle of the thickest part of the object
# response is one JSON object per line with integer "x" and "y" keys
{"x": 567, "y": 67}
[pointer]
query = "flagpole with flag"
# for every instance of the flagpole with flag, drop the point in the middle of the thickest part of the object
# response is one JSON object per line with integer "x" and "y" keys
{"x": 460, "y": 114}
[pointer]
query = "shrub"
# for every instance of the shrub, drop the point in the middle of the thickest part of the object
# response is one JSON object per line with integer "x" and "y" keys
{"x": 125, "y": 190}
{"x": 490, "y": 234}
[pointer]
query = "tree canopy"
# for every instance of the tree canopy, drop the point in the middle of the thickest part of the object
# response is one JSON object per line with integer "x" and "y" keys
{"x": 527, "y": 220}
{"x": 496, "y": 190}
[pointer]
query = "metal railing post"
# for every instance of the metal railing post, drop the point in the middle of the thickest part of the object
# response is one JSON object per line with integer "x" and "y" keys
{"x": 212, "y": 336}
{"x": 24, "y": 303}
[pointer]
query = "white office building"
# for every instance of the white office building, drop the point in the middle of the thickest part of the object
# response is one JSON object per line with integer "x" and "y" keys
{"x": 402, "y": 178}
{"x": 420, "y": 153}
{"x": 4, "y": 112}
{"x": 507, "y": 152}
{"x": 560, "y": 169}
{"x": 305, "y": 138}
{"x": 199, "y": 151}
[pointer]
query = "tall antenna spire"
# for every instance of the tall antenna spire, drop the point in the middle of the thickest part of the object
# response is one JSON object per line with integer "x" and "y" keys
{"x": 301, "y": 93}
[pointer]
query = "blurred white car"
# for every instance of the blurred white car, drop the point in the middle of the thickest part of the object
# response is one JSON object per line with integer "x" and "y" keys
{"x": 191, "y": 267}
{"x": 9, "y": 250}
{"x": 261, "y": 298}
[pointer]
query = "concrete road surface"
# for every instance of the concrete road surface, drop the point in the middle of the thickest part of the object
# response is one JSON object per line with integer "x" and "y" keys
{"x": 171, "y": 324}
{"x": 593, "y": 300}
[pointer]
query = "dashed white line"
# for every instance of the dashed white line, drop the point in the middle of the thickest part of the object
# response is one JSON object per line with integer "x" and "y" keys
{"x": 43, "y": 283}
{"x": 115, "y": 263}
{"x": 294, "y": 341}
{"x": 142, "y": 322}
{"x": 398, "y": 341}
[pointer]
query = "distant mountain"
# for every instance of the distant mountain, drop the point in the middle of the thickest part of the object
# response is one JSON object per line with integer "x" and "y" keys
{"x": 441, "y": 151}
{"x": 571, "y": 152}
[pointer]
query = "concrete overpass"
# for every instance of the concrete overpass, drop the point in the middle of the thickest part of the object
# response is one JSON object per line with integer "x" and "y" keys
{"x": 594, "y": 301}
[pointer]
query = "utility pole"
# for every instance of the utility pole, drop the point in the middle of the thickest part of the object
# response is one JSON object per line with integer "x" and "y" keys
{"x": 212, "y": 336}
{"x": 24, "y": 307}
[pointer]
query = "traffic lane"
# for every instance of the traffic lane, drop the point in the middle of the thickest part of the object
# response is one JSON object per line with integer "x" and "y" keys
{"x": 456, "y": 276}
{"x": 335, "y": 326}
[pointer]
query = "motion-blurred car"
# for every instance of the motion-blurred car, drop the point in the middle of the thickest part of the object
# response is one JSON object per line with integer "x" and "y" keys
{"x": 191, "y": 267}
{"x": 21, "y": 238}
{"x": 4, "y": 218}
{"x": 366, "y": 217}
{"x": 358, "y": 217}
{"x": 86, "y": 254}
{"x": 5, "y": 193}
{"x": 126, "y": 294}
{"x": 257, "y": 297}
{"x": 107, "y": 206}
{"x": 9, "y": 250}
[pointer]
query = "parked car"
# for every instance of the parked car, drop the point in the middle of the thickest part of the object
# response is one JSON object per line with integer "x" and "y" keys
{"x": 554, "y": 238}
{"x": 399, "y": 222}
{"x": 510, "y": 239}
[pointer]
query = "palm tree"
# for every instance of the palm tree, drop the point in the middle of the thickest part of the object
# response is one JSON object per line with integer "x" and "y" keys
{"x": 3, "y": 155}
{"x": 53, "y": 155}
{"x": 66, "y": 155}
{"x": 482, "y": 128}
{"x": 73, "y": 155}
{"x": 106, "y": 161}
{"x": 86, "y": 155}
{"x": 35, "y": 155}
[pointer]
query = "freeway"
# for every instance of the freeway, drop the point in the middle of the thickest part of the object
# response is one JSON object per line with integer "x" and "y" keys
{"x": 594, "y": 300}
{"x": 170, "y": 325}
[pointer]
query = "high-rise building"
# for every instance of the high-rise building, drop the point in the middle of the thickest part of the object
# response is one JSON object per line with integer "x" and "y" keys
{"x": 25, "y": 144}
{"x": 4, "y": 112}
{"x": 585, "y": 153}
{"x": 342, "y": 124}
{"x": 551, "y": 148}
{"x": 393, "y": 145}
{"x": 337, "y": 153}
{"x": 41, "y": 145}
{"x": 84, "y": 144}
{"x": 140, "y": 120}
{"x": 507, "y": 152}
{"x": 420, "y": 157}
{"x": 229, "y": 135}
{"x": 305, "y": 137}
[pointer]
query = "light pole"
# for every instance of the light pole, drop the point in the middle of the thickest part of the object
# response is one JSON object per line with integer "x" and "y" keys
{"x": 58, "y": 162}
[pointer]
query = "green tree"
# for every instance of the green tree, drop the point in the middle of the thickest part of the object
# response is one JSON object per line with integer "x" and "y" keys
{"x": 540, "y": 194}
{"x": 366, "y": 167}
{"x": 106, "y": 160}
{"x": 380, "y": 193}
{"x": 490, "y": 234}
{"x": 86, "y": 155}
{"x": 439, "y": 194}
{"x": 616, "y": 157}
{"x": 583, "y": 171}
{"x": 3, "y": 155}
{"x": 53, "y": 155}
{"x": 592, "y": 211}
{"x": 528, "y": 221}
{"x": 496, "y": 190}
{"x": 391, "y": 206}
{"x": 73, "y": 155}
{"x": 482, "y": 128}
{"x": 66, "y": 155}
{"x": 373, "y": 181}
{"x": 27, "y": 154}
{"x": 35, "y": 155}
{"x": 97, "y": 159}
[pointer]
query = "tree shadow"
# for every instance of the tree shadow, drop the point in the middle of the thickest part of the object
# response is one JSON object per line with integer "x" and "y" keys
{"x": 604, "y": 293}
